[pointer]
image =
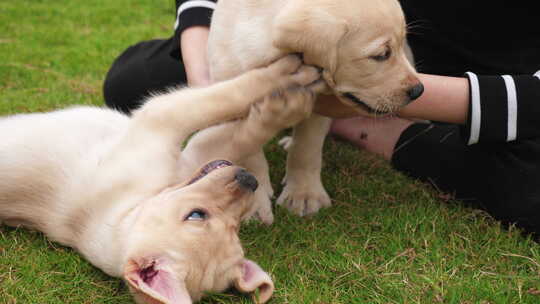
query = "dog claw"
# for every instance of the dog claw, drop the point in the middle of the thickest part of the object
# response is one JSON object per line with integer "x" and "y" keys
{"x": 286, "y": 142}
{"x": 304, "y": 203}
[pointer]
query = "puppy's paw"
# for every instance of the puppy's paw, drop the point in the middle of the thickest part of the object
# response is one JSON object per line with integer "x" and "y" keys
{"x": 264, "y": 214}
{"x": 286, "y": 65}
{"x": 284, "y": 108}
{"x": 307, "y": 75}
{"x": 304, "y": 197}
{"x": 261, "y": 209}
{"x": 289, "y": 71}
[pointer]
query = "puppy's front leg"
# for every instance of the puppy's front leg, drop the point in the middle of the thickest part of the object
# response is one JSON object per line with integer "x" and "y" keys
{"x": 175, "y": 115}
{"x": 304, "y": 192}
{"x": 156, "y": 131}
{"x": 280, "y": 110}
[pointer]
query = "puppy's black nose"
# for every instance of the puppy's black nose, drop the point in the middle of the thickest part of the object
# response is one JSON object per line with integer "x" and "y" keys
{"x": 415, "y": 91}
{"x": 246, "y": 180}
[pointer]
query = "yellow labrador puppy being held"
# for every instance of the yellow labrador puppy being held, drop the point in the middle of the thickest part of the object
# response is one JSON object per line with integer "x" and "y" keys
{"x": 361, "y": 47}
{"x": 121, "y": 192}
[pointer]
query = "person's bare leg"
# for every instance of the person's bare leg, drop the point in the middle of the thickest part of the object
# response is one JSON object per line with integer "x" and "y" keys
{"x": 377, "y": 135}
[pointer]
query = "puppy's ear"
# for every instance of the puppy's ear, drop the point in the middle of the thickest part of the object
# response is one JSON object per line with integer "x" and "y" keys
{"x": 312, "y": 31}
{"x": 251, "y": 278}
{"x": 151, "y": 283}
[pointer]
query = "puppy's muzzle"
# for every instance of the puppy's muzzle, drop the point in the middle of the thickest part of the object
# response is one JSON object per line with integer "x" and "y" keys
{"x": 246, "y": 180}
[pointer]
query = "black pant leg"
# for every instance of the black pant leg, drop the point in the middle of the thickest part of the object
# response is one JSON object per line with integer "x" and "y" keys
{"x": 436, "y": 154}
{"x": 503, "y": 179}
{"x": 510, "y": 179}
{"x": 143, "y": 68}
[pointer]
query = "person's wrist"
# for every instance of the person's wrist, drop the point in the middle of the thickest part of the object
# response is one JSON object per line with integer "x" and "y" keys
{"x": 193, "y": 44}
{"x": 445, "y": 99}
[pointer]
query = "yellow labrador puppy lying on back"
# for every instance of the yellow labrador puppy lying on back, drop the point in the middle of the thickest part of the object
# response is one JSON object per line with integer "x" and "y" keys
{"x": 121, "y": 192}
{"x": 359, "y": 44}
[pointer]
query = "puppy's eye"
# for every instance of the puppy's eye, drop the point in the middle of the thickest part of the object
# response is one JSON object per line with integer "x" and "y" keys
{"x": 382, "y": 57}
{"x": 196, "y": 215}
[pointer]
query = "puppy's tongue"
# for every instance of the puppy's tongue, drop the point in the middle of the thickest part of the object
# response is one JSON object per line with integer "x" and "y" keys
{"x": 211, "y": 166}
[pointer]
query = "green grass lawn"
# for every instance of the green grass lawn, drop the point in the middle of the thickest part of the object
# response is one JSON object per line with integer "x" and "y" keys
{"x": 387, "y": 239}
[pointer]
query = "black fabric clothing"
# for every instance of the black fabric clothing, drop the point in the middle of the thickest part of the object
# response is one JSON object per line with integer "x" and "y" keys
{"x": 493, "y": 162}
{"x": 503, "y": 108}
{"x": 500, "y": 178}
{"x": 452, "y": 37}
{"x": 155, "y": 65}
{"x": 142, "y": 69}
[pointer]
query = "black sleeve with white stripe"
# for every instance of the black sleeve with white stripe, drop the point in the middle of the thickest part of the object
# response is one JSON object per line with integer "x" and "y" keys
{"x": 503, "y": 108}
{"x": 190, "y": 13}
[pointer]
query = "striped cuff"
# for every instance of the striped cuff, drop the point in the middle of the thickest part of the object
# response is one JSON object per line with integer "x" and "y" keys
{"x": 495, "y": 114}
{"x": 475, "y": 111}
{"x": 493, "y": 109}
{"x": 511, "y": 98}
{"x": 190, "y": 13}
{"x": 194, "y": 12}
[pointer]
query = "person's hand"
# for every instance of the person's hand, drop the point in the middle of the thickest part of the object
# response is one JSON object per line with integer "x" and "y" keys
{"x": 193, "y": 44}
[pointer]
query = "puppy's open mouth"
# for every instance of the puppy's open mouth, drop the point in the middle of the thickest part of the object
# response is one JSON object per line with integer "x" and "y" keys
{"x": 211, "y": 166}
{"x": 363, "y": 105}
